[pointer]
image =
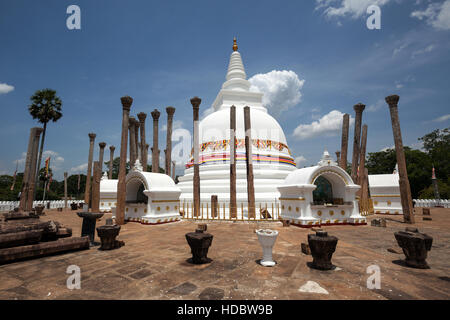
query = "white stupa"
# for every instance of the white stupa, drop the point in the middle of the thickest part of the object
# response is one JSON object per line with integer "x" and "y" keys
{"x": 272, "y": 159}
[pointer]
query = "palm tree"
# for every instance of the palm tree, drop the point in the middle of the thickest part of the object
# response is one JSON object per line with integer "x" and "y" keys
{"x": 45, "y": 106}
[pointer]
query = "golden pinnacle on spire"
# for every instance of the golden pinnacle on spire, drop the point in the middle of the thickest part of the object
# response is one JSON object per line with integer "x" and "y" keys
{"x": 235, "y": 47}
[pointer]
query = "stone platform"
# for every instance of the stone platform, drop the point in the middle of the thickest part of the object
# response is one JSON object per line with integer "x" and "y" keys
{"x": 153, "y": 264}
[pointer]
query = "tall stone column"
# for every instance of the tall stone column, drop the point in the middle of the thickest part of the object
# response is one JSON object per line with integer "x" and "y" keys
{"x": 111, "y": 160}
{"x": 102, "y": 146}
{"x": 170, "y": 111}
{"x": 121, "y": 184}
{"x": 87, "y": 191}
{"x": 338, "y": 156}
{"x": 26, "y": 173}
{"x": 173, "y": 170}
{"x": 33, "y": 168}
{"x": 435, "y": 186}
{"x": 97, "y": 176}
{"x": 136, "y": 140}
{"x": 132, "y": 129}
{"x": 362, "y": 163}
{"x": 142, "y": 116}
{"x": 233, "y": 202}
{"x": 359, "y": 108}
{"x": 249, "y": 161}
{"x": 147, "y": 146}
{"x": 155, "y": 149}
{"x": 405, "y": 190}
{"x": 344, "y": 142}
{"x": 65, "y": 190}
{"x": 196, "y": 181}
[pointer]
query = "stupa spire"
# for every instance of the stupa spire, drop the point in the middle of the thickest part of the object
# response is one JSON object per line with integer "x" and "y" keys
{"x": 235, "y": 47}
{"x": 236, "y": 76}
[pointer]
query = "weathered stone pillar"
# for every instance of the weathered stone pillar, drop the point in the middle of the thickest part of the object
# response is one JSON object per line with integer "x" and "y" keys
{"x": 87, "y": 190}
{"x": 359, "y": 108}
{"x": 147, "y": 146}
{"x": 102, "y": 146}
{"x": 65, "y": 190}
{"x": 170, "y": 112}
{"x": 344, "y": 142}
{"x": 214, "y": 203}
{"x": 34, "y": 158}
{"x": 338, "y": 156}
{"x": 405, "y": 190}
{"x": 111, "y": 160}
{"x": 196, "y": 181}
{"x": 136, "y": 140}
{"x": 233, "y": 202}
{"x": 362, "y": 164}
{"x": 26, "y": 173}
{"x": 142, "y": 116}
{"x": 248, "y": 158}
{"x": 173, "y": 170}
{"x": 132, "y": 129}
{"x": 155, "y": 148}
{"x": 121, "y": 184}
{"x": 435, "y": 186}
{"x": 97, "y": 175}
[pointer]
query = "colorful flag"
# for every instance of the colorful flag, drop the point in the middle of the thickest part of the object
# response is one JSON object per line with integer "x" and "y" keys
{"x": 47, "y": 164}
{"x": 49, "y": 182}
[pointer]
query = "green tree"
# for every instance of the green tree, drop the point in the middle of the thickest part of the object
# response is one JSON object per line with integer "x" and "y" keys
{"x": 437, "y": 145}
{"x": 45, "y": 106}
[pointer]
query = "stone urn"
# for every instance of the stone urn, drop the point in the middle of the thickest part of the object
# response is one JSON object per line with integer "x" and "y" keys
{"x": 73, "y": 206}
{"x": 199, "y": 242}
{"x": 267, "y": 238}
{"x": 415, "y": 246}
{"x": 322, "y": 247}
{"x": 39, "y": 210}
{"x": 89, "y": 221}
{"x": 107, "y": 235}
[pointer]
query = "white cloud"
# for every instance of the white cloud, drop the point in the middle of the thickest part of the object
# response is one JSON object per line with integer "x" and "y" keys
{"x": 442, "y": 118}
{"x": 422, "y": 51}
{"x": 352, "y": 8}
{"x": 82, "y": 168}
{"x": 5, "y": 88}
{"x": 329, "y": 125}
{"x": 299, "y": 160}
{"x": 387, "y": 148}
{"x": 281, "y": 88}
{"x": 376, "y": 106}
{"x": 175, "y": 125}
{"x": 436, "y": 14}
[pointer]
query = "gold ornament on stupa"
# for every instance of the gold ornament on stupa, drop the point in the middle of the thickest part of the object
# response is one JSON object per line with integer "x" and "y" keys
{"x": 235, "y": 47}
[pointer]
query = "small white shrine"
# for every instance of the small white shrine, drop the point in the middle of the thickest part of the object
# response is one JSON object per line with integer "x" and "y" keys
{"x": 108, "y": 193}
{"x": 385, "y": 192}
{"x": 151, "y": 198}
{"x": 320, "y": 195}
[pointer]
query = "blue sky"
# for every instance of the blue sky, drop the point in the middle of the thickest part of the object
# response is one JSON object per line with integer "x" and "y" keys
{"x": 165, "y": 52}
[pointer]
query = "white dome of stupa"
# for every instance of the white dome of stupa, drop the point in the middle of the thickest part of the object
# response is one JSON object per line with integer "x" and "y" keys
{"x": 272, "y": 160}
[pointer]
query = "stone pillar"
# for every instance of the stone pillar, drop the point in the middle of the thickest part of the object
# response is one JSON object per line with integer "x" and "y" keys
{"x": 359, "y": 108}
{"x": 173, "y": 170}
{"x": 233, "y": 202}
{"x": 405, "y": 190}
{"x": 362, "y": 163}
{"x": 155, "y": 148}
{"x": 132, "y": 129}
{"x": 196, "y": 181}
{"x": 146, "y": 155}
{"x": 97, "y": 176}
{"x": 26, "y": 173}
{"x": 121, "y": 184}
{"x": 170, "y": 112}
{"x": 102, "y": 146}
{"x": 344, "y": 142}
{"x": 214, "y": 203}
{"x": 136, "y": 140}
{"x": 87, "y": 190}
{"x": 34, "y": 158}
{"x": 338, "y": 156}
{"x": 65, "y": 190}
{"x": 142, "y": 116}
{"x": 435, "y": 186}
{"x": 111, "y": 160}
{"x": 248, "y": 158}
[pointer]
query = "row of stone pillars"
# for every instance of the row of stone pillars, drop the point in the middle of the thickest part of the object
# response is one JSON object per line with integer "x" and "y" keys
{"x": 359, "y": 172}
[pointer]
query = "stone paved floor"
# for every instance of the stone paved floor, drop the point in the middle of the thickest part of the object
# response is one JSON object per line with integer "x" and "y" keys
{"x": 153, "y": 265}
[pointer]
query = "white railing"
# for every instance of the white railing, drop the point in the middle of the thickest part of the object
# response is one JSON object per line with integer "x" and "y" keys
{"x": 430, "y": 203}
{"x": 6, "y": 206}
